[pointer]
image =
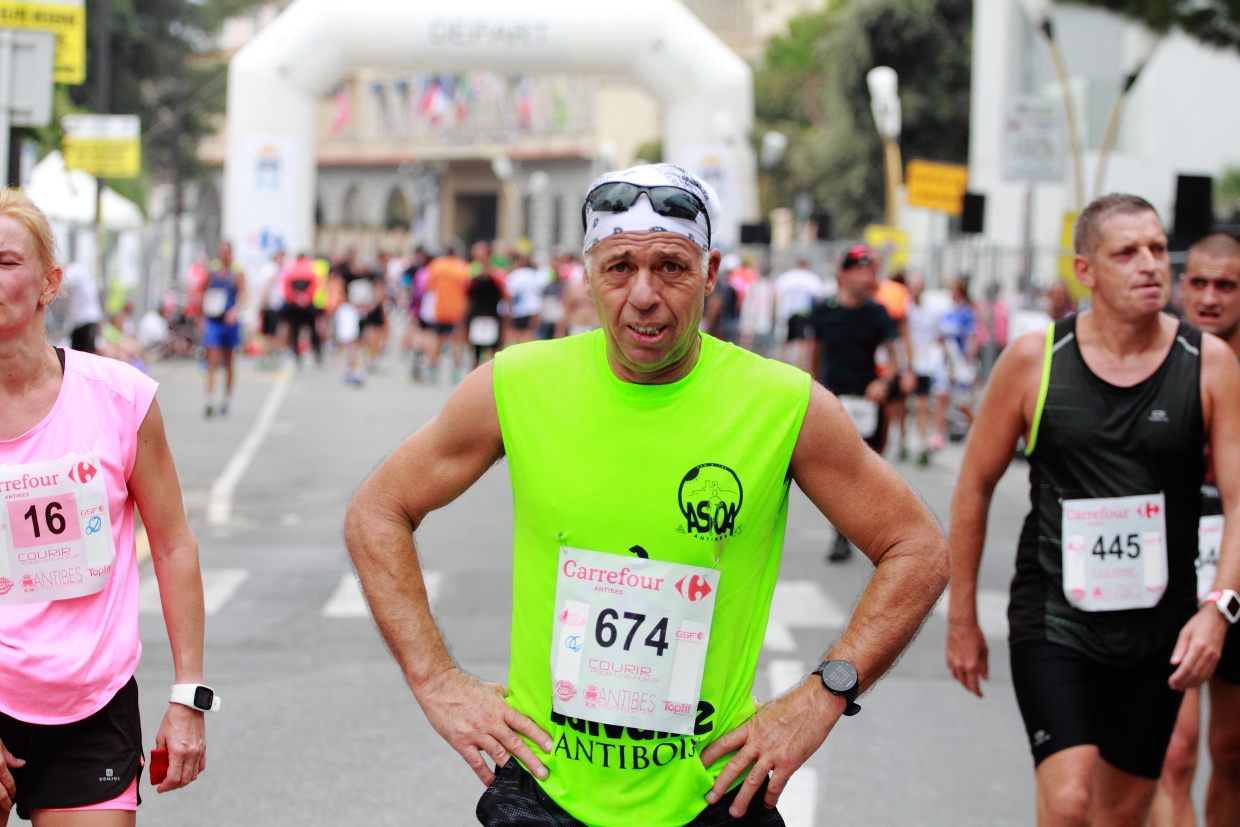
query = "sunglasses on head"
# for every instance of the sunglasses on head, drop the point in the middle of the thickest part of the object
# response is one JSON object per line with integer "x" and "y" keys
{"x": 672, "y": 202}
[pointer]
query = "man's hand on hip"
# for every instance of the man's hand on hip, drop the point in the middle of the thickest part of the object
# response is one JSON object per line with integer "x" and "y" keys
{"x": 8, "y": 788}
{"x": 775, "y": 742}
{"x": 474, "y": 718}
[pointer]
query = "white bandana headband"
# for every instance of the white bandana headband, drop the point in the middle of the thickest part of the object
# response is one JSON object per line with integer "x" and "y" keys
{"x": 641, "y": 216}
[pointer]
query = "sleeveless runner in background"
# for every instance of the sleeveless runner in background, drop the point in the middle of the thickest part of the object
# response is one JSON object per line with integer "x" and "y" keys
{"x": 668, "y": 480}
{"x": 1093, "y": 440}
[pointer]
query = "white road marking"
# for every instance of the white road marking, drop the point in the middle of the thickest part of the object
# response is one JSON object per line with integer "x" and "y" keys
{"x": 992, "y": 605}
{"x": 218, "y": 587}
{"x": 348, "y": 601}
{"x": 784, "y": 674}
{"x": 800, "y": 798}
{"x": 219, "y": 500}
{"x": 801, "y": 604}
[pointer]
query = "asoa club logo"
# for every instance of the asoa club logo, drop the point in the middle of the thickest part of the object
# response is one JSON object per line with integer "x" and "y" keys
{"x": 710, "y": 498}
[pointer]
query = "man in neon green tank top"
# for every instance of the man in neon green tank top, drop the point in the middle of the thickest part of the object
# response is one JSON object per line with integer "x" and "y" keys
{"x": 650, "y": 471}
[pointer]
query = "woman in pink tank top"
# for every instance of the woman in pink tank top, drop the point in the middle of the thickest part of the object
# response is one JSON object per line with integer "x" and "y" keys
{"x": 81, "y": 444}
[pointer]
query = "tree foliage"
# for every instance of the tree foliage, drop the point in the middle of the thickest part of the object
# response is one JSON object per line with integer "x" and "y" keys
{"x": 1216, "y": 22}
{"x": 812, "y": 88}
{"x": 165, "y": 69}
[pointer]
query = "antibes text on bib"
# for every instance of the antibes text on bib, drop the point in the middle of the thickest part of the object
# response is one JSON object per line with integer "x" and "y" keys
{"x": 1115, "y": 552}
{"x": 55, "y": 530}
{"x": 629, "y": 639}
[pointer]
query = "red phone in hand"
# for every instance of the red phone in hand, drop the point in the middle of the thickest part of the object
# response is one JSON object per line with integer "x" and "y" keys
{"x": 159, "y": 765}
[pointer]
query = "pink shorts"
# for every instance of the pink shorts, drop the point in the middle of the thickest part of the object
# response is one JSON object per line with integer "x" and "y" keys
{"x": 127, "y": 800}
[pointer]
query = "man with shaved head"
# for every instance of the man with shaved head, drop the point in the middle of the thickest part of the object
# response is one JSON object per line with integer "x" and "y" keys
{"x": 1210, "y": 287}
{"x": 650, "y": 470}
{"x": 1115, "y": 406}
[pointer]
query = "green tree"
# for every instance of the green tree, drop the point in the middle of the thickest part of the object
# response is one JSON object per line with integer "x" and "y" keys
{"x": 166, "y": 70}
{"x": 812, "y": 87}
{"x": 1216, "y": 23}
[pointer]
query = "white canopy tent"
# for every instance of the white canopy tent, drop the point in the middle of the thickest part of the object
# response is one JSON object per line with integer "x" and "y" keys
{"x": 68, "y": 196}
{"x": 274, "y": 82}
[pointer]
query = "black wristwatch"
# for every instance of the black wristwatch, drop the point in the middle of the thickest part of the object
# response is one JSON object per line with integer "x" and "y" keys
{"x": 840, "y": 678}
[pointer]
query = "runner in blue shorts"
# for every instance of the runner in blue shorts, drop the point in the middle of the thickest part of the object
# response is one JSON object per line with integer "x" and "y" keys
{"x": 221, "y": 333}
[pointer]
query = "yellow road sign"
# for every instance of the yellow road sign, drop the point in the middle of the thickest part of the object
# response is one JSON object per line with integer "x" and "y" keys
{"x": 1066, "y": 271}
{"x": 106, "y": 146}
{"x": 66, "y": 19}
{"x": 890, "y": 243}
{"x": 937, "y": 186}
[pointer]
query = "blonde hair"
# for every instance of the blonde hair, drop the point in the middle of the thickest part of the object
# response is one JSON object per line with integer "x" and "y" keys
{"x": 17, "y": 205}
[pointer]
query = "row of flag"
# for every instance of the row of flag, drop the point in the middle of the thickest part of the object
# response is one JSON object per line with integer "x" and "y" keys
{"x": 454, "y": 99}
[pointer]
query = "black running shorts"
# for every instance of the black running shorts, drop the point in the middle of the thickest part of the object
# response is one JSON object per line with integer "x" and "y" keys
{"x": 1228, "y": 668}
{"x": 78, "y": 764}
{"x": 514, "y": 799}
{"x": 1069, "y": 699}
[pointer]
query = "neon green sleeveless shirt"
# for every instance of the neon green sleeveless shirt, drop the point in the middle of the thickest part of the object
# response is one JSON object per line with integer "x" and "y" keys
{"x": 606, "y": 465}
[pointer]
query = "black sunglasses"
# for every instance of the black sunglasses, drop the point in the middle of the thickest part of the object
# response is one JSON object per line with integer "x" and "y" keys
{"x": 672, "y": 202}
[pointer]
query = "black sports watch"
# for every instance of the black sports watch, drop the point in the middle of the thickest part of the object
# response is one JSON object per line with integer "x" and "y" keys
{"x": 840, "y": 678}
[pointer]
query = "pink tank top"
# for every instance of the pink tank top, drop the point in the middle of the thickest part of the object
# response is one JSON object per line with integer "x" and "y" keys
{"x": 63, "y": 660}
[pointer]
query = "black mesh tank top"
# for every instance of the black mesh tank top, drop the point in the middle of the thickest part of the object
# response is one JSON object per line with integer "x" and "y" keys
{"x": 1093, "y": 439}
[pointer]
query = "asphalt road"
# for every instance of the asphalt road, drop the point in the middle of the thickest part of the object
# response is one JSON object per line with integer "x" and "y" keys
{"x": 317, "y": 726}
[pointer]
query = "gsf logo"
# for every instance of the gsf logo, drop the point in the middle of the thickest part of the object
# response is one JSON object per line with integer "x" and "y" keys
{"x": 710, "y": 499}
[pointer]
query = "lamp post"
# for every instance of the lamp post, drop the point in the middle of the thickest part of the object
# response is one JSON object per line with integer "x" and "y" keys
{"x": 885, "y": 104}
{"x": 1117, "y": 110}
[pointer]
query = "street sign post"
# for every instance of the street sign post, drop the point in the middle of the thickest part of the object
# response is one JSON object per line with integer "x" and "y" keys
{"x": 106, "y": 146}
{"x": 26, "y": 59}
{"x": 66, "y": 19}
{"x": 937, "y": 186}
{"x": 1033, "y": 140}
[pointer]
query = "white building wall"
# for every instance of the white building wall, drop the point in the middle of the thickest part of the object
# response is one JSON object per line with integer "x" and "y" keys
{"x": 1182, "y": 116}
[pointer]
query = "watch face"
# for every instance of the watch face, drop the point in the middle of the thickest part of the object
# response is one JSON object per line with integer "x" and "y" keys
{"x": 203, "y": 697}
{"x": 839, "y": 676}
{"x": 1232, "y": 606}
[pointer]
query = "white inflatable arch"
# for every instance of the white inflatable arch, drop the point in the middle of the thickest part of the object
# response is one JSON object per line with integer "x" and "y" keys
{"x": 274, "y": 82}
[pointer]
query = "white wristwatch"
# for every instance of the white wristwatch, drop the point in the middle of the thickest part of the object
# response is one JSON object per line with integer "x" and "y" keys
{"x": 1227, "y": 601}
{"x": 197, "y": 696}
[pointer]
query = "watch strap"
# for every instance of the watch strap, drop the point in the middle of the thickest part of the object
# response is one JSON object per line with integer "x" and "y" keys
{"x": 1227, "y": 602}
{"x": 186, "y": 693}
{"x": 851, "y": 706}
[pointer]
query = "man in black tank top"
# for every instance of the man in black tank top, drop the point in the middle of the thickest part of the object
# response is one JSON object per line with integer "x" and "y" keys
{"x": 1210, "y": 288}
{"x": 1115, "y": 407}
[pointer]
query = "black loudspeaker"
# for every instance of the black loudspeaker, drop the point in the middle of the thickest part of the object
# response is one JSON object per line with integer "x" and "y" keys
{"x": 1194, "y": 206}
{"x": 973, "y": 216}
{"x": 756, "y": 233}
{"x": 824, "y": 223}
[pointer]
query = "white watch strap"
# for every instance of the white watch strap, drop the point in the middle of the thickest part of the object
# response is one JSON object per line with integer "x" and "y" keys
{"x": 1228, "y": 601}
{"x": 183, "y": 693}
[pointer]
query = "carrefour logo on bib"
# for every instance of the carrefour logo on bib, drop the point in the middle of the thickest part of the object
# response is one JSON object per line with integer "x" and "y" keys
{"x": 710, "y": 499}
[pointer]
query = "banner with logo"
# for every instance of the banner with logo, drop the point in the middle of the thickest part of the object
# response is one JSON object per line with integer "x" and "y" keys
{"x": 269, "y": 202}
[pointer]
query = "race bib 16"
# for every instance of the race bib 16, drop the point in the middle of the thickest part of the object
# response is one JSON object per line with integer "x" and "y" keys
{"x": 55, "y": 530}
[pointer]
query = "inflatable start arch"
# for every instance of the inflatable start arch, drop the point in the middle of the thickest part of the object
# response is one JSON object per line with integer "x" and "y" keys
{"x": 274, "y": 82}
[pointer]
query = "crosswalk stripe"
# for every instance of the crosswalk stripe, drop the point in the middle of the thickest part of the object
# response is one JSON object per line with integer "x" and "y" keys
{"x": 218, "y": 587}
{"x": 784, "y": 674}
{"x": 992, "y": 605}
{"x": 348, "y": 601}
{"x": 800, "y": 798}
{"x": 801, "y": 604}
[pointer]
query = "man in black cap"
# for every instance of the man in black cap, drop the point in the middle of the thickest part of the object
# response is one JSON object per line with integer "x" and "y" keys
{"x": 848, "y": 328}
